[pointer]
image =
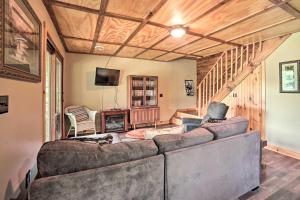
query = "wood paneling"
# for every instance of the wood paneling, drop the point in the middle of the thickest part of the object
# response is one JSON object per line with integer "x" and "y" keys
{"x": 75, "y": 23}
{"x": 130, "y": 51}
{"x": 116, "y": 30}
{"x": 94, "y": 4}
{"x": 295, "y": 4}
{"x": 172, "y": 43}
{"x": 132, "y": 8}
{"x": 182, "y": 11}
{"x": 282, "y": 29}
{"x": 226, "y": 15}
{"x": 169, "y": 57}
{"x": 150, "y": 54}
{"x": 107, "y": 48}
{"x": 148, "y": 36}
{"x": 214, "y": 50}
{"x": 78, "y": 45}
{"x": 146, "y": 24}
{"x": 197, "y": 46}
{"x": 246, "y": 100}
{"x": 256, "y": 23}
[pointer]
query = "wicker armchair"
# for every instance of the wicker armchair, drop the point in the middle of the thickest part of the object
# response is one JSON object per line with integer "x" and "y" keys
{"x": 81, "y": 125}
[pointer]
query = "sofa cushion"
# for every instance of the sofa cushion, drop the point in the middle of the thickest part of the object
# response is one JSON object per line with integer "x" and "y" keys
{"x": 65, "y": 156}
{"x": 230, "y": 127}
{"x": 176, "y": 141}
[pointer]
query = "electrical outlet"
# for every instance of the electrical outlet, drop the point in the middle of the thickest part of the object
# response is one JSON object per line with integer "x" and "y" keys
{"x": 27, "y": 179}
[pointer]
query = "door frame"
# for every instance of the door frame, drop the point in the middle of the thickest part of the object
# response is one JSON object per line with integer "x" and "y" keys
{"x": 49, "y": 41}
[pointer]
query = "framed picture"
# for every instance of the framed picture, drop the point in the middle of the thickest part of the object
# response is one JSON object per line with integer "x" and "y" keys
{"x": 3, "y": 104}
{"x": 289, "y": 74}
{"x": 189, "y": 88}
{"x": 21, "y": 41}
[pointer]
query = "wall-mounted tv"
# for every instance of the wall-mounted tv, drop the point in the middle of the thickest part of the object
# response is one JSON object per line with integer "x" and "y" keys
{"x": 107, "y": 77}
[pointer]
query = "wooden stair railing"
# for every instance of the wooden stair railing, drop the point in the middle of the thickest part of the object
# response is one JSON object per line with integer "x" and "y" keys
{"x": 227, "y": 68}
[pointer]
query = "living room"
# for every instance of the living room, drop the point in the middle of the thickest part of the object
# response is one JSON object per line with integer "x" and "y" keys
{"x": 192, "y": 58}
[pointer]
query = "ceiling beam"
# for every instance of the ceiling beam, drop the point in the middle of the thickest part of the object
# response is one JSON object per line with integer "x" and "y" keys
{"x": 284, "y": 5}
{"x": 75, "y": 7}
{"x": 264, "y": 28}
{"x": 78, "y": 52}
{"x": 100, "y": 20}
{"x": 117, "y": 43}
{"x": 124, "y": 17}
{"x": 152, "y": 45}
{"x": 48, "y": 5}
{"x": 214, "y": 39}
{"x": 145, "y": 21}
{"x": 218, "y": 5}
{"x": 187, "y": 44}
{"x": 142, "y": 21}
{"x": 242, "y": 19}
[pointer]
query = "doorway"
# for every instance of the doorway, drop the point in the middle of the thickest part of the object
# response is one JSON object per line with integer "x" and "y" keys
{"x": 53, "y": 93}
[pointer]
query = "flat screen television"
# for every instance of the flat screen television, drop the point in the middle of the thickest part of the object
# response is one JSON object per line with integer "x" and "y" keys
{"x": 107, "y": 77}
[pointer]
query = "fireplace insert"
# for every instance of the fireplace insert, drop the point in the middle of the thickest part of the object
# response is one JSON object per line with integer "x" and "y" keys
{"x": 114, "y": 121}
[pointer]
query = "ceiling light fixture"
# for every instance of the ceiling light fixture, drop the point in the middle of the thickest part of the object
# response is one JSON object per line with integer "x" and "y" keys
{"x": 99, "y": 47}
{"x": 178, "y": 31}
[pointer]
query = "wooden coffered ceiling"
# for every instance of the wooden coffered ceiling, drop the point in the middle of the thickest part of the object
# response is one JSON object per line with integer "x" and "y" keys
{"x": 140, "y": 28}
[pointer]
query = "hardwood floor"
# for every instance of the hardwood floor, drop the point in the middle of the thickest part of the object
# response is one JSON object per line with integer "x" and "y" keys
{"x": 280, "y": 179}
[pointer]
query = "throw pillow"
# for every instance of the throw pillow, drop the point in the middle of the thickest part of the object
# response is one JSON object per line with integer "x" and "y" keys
{"x": 79, "y": 113}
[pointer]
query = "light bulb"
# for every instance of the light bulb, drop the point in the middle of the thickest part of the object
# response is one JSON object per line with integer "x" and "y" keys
{"x": 178, "y": 32}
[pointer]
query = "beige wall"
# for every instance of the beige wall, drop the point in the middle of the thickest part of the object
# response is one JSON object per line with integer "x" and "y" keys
{"x": 81, "y": 90}
{"x": 282, "y": 109}
{"x": 21, "y": 130}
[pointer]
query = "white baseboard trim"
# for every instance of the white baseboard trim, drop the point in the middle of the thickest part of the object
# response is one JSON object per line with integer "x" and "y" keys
{"x": 284, "y": 151}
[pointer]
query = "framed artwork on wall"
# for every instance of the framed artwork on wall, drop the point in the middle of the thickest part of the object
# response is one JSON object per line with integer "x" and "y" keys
{"x": 189, "y": 88}
{"x": 21, "y": 41}
{"x": 289, "y": 75}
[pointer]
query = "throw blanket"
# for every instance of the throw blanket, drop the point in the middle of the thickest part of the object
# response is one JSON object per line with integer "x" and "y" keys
{"x": 100, "y": 140}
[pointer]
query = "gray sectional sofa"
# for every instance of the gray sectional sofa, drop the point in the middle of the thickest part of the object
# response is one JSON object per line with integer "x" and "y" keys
{"x": 219, "y": 161}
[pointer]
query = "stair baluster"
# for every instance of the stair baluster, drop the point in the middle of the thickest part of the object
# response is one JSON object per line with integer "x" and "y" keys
{"x": 226, "y": 69}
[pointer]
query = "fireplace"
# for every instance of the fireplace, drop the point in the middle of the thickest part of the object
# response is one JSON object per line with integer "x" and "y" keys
{"x": 114, "y": 121}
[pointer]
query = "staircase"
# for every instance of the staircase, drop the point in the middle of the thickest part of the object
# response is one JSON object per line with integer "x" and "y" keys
{"x": 231, "y": 68}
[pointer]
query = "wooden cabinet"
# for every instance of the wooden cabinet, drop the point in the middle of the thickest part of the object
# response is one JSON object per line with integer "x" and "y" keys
{"x": 143, "y": 99}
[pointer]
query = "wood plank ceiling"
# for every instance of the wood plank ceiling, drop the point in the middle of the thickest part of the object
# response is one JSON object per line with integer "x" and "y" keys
{"x": 140, "y": 28}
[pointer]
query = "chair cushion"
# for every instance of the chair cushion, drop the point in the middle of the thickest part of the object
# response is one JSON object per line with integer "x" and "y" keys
{"x": 215, "y": 110}
{"x": 85, "y": 125}
{"x": 65, "y": 156}
{"x": 230, "y": 127}
{"x": 176, "y": 141}
{"x": 187, "y": 120}
{"x": 79, "y": 113}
